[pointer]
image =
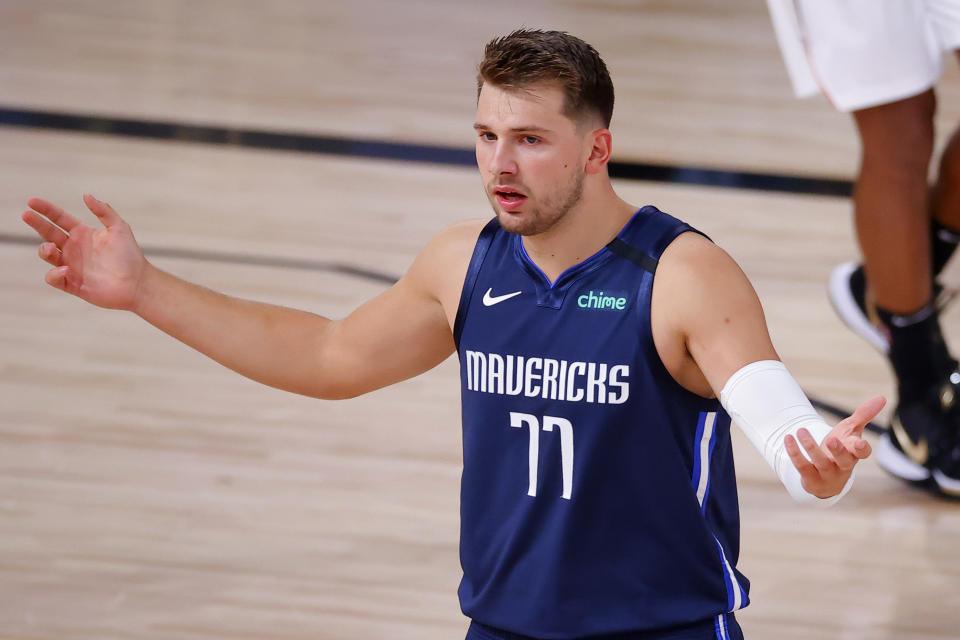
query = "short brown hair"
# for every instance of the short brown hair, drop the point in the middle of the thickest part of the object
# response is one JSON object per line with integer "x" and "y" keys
{"x": 530, "y": 56}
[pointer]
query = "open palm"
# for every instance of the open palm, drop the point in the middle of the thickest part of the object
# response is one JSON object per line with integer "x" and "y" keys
{"x": 832, "y": 461}
{"x": 101, "y": 266}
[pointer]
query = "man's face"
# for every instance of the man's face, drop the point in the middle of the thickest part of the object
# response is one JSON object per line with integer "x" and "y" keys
{"x": 531, "y": 156}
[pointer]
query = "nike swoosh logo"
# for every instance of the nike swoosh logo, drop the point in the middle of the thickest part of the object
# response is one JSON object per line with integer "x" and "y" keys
{"x": 489, "y": 300}
{"x": 917, "y": 451}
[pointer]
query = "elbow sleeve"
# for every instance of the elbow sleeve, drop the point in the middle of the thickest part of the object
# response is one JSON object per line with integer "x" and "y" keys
{"x": 767, "y": 404}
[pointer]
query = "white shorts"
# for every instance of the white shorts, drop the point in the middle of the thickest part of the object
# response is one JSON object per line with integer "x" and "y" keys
{"x": 863, "y": 53}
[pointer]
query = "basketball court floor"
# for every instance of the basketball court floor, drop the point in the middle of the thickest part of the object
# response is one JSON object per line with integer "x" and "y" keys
{"x": 302, "y": 153}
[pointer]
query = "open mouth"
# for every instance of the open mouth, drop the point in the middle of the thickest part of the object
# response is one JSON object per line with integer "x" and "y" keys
{"x": 509, "y": 198}
{"x": 509, "y": 194}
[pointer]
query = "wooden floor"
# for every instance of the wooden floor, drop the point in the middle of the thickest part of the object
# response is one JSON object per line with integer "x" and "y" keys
{"x": 147, "y": 493}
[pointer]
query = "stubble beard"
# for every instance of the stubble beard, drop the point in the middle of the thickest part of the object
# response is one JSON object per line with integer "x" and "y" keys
{"x": 544, "y": 217}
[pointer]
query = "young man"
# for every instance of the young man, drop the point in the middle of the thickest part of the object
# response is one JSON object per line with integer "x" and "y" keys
{"x": 598, "y": 491}
{"x": 880, "y": 62}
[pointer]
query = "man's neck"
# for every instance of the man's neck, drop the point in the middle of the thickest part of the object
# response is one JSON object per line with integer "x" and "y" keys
{"x": 581, "y": 233}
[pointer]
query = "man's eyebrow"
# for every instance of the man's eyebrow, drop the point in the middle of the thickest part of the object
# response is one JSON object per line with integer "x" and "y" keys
{"x": 527, "y": 128}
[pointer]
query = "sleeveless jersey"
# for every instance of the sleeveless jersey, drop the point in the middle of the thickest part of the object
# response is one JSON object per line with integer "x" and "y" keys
{"x": 598, "y": 495}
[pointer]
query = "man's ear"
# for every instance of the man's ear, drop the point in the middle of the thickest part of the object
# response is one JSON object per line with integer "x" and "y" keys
{"x": 600, "y": 146}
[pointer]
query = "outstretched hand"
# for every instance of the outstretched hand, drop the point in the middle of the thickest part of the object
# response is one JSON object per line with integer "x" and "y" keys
{"x": 832, "y": 461}
{"x": 102, "y": 266}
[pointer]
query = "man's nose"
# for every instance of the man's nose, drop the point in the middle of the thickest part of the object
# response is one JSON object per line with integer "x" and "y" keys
{"x": 502, "y": 160}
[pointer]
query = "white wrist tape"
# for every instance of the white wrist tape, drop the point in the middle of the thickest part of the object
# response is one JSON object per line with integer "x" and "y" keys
{"x": 766, "y": 402}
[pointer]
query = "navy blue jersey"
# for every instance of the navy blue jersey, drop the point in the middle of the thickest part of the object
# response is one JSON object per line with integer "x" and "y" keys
{"x": 598, "y": 495}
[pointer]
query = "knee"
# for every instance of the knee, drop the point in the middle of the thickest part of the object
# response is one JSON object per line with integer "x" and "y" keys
{"x": 898, "y": 138}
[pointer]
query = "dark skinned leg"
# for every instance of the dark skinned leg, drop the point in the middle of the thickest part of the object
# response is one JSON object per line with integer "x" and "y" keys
{"x": 945, "y": 203}
{"x": 891, "y": 201}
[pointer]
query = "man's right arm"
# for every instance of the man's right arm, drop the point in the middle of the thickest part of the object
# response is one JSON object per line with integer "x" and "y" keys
{"x": 400, "y": 333}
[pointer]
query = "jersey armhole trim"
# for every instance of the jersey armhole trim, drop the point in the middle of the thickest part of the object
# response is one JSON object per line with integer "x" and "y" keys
{"x": 657, "y": 366}
{"x": 644, "y": 260}
{"x": 476, "y": 262}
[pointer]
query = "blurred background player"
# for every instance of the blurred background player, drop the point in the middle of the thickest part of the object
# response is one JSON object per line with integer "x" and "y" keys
{"x": 880, "y": 61}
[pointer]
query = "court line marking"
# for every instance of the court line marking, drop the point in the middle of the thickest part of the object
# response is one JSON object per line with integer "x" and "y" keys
{"x": 401, "y": 151}
{"x": 328, "y": 267}
{"x": 236, "y": 258}
{"x": 383, "y": 150}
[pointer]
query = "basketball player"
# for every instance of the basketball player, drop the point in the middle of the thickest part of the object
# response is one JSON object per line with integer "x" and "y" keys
{"x": 880, "y": 61}
{"x": 598, "y": 489}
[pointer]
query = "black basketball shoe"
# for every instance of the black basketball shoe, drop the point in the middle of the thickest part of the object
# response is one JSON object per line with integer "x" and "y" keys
{"x": 848, "y": 295}
{"x": 922, "y": 445}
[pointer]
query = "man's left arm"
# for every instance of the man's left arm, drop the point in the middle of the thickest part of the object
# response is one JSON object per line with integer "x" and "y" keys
{"x": 718, "y": 323}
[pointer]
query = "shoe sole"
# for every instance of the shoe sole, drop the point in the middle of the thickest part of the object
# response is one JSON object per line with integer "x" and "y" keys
{"x": 948, "y": 486}
{"x": 897, "y": 464}
{"x": 845, "y": 305}
{"x": 894, "y": 462}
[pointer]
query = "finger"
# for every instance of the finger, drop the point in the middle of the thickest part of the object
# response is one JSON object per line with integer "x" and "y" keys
{"x": 843, "y": 458}
{"x": 57, "y": 278}
{"x": 862, "y": 449}
{"x": 57, "y": 215}
{"x": 47, "y": 230}
{"x": 864, "y": 414}
{"x": 799, "y": 461}
{"x": 51, "y": 253}
{"x": 102, "y": 210}
{"x": 814, "y": 452}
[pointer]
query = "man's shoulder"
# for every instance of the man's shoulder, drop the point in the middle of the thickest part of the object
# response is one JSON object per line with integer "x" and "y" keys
{"x": 442, "y": 264}
{"x": 692, "y": 252}
{"x": 456, "y": 242}
{"x": 694, "y": 265}
{"x": 465, "y": 230}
